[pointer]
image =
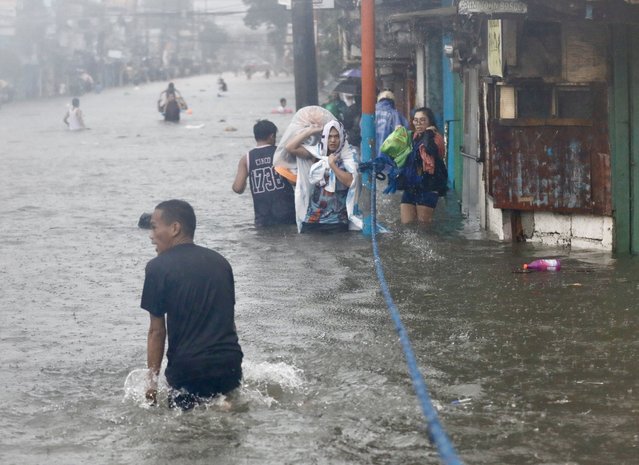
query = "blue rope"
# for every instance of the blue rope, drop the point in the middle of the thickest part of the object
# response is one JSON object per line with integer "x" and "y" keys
{"x": 436, "y": 434}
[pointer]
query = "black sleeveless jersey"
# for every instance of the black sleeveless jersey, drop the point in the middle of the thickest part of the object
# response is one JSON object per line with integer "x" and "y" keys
{"x": 273, "y": 196}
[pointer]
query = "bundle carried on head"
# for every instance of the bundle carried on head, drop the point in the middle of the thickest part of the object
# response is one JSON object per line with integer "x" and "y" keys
{"x": 305, "y": 117}
{"x": 298, "y": 170}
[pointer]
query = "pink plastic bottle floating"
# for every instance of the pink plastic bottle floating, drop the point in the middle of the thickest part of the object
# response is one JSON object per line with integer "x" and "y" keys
{"x": 543, "y": 264}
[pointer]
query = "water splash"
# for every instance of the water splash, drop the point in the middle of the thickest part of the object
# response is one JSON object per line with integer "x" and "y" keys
{"x": 264, "y": 383}
{"x": 136, "y": 384}
{"x": 280, "y": 373}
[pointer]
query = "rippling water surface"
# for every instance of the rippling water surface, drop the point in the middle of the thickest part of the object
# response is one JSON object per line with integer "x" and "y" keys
{"x": 546, "y": 364}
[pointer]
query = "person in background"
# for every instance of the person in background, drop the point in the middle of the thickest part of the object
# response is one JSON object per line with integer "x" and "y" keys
{"x": 273, "y": 196}
{"x": 336, "y": 106}
{"x": 171, "y": 94}
{"x": 387, "y": 118}
{"x": 189, "y": 293}
{"x": 222, "y": 87}
{"x": 171, "y": 109}
{"x": 425, "y": 174}
{"x": 282, "y": 109}
{"x": 74, "y": 118}
{"x": 169, "y": 88}
{"x": 352, "y": 119}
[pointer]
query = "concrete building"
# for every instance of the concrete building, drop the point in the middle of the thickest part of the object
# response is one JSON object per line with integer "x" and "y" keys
{"x": 538, "y": 98}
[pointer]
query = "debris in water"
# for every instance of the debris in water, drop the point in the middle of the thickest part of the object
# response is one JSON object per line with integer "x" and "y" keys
{"x": 543, "y": 264}
{"x": 465, "y": 400}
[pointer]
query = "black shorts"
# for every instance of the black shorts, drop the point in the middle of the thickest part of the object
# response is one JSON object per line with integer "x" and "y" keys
{"x": 189, "y": 394}
{"x": 421, "y": 198}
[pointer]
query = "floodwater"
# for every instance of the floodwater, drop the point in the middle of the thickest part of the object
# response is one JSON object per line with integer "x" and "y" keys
{"x": 538, "y": 368}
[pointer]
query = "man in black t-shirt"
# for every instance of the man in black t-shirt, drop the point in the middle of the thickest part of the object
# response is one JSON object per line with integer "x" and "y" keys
{"x": 190, "y": 291}
{"x": 273, "y": 196}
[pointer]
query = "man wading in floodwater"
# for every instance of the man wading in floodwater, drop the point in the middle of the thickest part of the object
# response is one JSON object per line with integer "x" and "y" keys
{"x": 273, "y": 197}
{"x": 189, "y": 290}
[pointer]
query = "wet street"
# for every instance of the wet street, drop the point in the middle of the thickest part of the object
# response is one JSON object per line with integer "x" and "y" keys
{"x": 537, "y": 368}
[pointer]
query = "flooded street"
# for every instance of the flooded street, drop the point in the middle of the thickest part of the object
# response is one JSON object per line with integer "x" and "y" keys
{"x": 546, "y": 365}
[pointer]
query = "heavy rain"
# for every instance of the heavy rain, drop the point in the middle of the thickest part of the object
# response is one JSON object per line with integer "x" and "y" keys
{"x": 521, "y": 366}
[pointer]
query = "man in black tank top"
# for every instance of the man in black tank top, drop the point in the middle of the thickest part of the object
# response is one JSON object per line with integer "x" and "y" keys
{"x": 273, "y": 196}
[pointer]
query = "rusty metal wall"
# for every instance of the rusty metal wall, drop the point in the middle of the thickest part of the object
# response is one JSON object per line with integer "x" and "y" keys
{"x": 546, "y": 167}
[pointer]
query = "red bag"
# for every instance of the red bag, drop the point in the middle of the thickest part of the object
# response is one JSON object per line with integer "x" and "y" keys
{"x": 428, "y": 161}
{"x": 429, "y": 148}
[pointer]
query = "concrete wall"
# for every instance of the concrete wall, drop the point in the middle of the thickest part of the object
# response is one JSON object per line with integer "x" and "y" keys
{"x": 496, "y": 221}
{"x": 554, "y": 229}
{"x": 577, "y": 231}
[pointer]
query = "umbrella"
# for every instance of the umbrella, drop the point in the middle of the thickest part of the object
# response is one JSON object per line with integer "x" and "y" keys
{"x": 350, "y": 85}
{"x": 352, "y": 73}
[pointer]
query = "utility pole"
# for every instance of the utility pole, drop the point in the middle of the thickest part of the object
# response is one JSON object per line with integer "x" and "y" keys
{"x": 367, "y": 123}
{"x": 304, "y": 58}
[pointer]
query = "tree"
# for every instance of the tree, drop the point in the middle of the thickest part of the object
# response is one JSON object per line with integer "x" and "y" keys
{"x": 274, "y": 16}
{"x": 330, "y": 60}
{"x": 212, "y": 37}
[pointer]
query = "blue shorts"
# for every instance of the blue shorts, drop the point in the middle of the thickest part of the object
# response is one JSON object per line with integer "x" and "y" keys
{"x": 419, "y": 197}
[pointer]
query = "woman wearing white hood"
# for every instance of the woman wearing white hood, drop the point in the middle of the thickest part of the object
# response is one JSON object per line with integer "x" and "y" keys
{"x": 324, "y": 200}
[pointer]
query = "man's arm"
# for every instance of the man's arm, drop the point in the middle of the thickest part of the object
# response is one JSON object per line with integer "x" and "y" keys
{"x": 155, "y": 353}
{"x": 66, "y": 118}
{"x": 294, "y": 146}
{"x": 240, "y": 177}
